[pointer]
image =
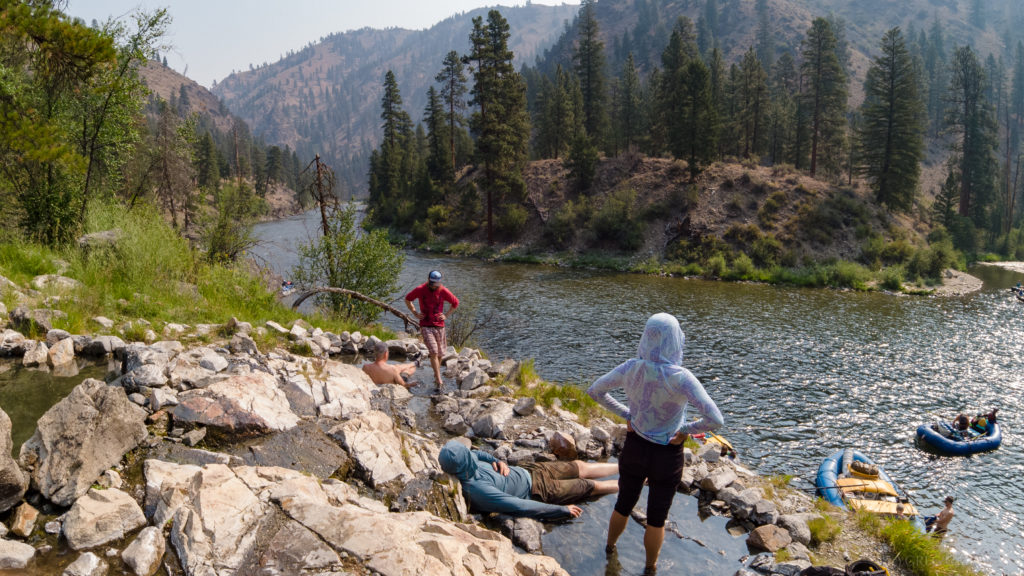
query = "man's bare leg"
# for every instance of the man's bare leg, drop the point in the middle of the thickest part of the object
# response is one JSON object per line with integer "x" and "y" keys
{"x": 591, "y": 470}
{"x": 602, "y": 487}
{"x": 435, "y": 363}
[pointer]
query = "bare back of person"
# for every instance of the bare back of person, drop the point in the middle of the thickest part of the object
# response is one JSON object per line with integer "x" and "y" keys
{"x": 384, "y": 373}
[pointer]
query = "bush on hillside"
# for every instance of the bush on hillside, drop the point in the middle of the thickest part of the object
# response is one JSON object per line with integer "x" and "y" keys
{"x": 616, "y": 222}
{"x": 512, "y": 220}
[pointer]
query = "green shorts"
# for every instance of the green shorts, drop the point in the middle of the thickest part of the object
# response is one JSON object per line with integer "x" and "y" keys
{"x": 558, "y": 482}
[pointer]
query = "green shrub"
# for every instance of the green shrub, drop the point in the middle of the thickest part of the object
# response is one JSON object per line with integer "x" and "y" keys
{"x": 437, "y": 218}
{"x": 715, "y": 266}
{"x": 743, "y": 267}
{"x": 616, "y": 221}
{"x": 561, "y": 227}
{"x": 766, "y": 252}
{"x": 512, "y": 220}
{"x": 892, "y": 278}
{"x": 771, "y": 206}
{"x": 421, "y": 231}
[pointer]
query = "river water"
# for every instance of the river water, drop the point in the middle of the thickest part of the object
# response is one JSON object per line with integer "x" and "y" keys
{"x": 798, "y": 373}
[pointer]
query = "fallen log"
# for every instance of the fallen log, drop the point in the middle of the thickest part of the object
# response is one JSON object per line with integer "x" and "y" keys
{"x": 313, "y": 291}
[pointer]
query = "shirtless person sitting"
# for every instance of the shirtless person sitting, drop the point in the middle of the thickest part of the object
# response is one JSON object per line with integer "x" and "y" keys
{"x": 383, "y": 373}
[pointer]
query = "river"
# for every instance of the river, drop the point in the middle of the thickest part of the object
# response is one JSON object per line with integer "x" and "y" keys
{"x": 798, "y": 373}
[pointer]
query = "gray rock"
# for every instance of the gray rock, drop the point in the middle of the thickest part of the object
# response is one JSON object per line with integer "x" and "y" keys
{"x": 36, "y": 354}
{"x": 137, "y": 398}
{"x": 101, "y": 516}
{"x": 524, "y": 532}
{"x": 709, "y": 453}
{"x": 103, "y": 239}
{"x": 79, "y": 437}
{"x": 161, "y": 398}
{"x": 520, "y": 457}
{"x": 13, "y": 482}
{"x": 492, "y": 423}
{"x": 455, "y": 424}
{"x": 194, "y": 437}
{"x": 214, "y": 362}
{"x": 276, "y": 328}
{"x": 718, "y": 479}
{"x": 15, "y": 555}
{"x": 144, "y": 554}
{"x": 297, "y": 550}
{"x": 56, "y": 335}
{"x": 103, "y": 322}
{"x": 103, "y": 345}
{"x": 796, "y": 525}
{"x": 525, "y": 406}
{"x": 87, "y": 564}
{"x": 38, "y": 321}
{"x": 474, "y": 379}
{"x": 742, "y": 504}
{"x": 243, "y": 344}
{"x": 764, "y": 512}
{"x": 52, "y": 527}
{"x": 55, "y": 282}
{"x": 12, "y": 343}
{"x": 791, "y": 567}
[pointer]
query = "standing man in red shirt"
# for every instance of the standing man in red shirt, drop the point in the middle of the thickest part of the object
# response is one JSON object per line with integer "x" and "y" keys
{"x": 432, "y": 296}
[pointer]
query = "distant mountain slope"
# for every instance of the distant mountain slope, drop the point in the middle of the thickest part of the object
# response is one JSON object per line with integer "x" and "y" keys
{"x": 325, "y": 99}
{"x": 168, "y": 84}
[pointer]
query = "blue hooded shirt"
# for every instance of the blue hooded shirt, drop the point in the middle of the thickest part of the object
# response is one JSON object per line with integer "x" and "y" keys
{"x": 657, "y": 386}
{"x": 489, "y": 491}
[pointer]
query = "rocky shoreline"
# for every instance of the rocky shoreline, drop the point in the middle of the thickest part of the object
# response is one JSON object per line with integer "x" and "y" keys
{"x": 204, "y": 455}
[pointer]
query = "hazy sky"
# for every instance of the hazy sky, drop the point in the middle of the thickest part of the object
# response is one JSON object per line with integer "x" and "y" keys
{"x": 210, "y": 38}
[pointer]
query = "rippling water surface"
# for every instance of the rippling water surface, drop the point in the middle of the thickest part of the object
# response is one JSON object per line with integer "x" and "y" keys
{"x": 798, "y": 373}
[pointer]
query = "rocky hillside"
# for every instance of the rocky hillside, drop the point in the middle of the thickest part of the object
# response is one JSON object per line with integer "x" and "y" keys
{"x": 325, "y": 98}
{"x": 169, "y": 85}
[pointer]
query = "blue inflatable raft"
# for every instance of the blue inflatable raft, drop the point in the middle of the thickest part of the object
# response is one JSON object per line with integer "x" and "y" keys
{"x": 841, "y": 484}
{"x": 958, "y": 446}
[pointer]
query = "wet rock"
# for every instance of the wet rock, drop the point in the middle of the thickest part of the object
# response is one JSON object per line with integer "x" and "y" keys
{"x": 15, "y": 555}
{"x": 381, "y": 452}
{"x": 24, "y": 520}
{"x": 101, "y": 516}
{"x": 718, "y": 479}
{"x": 768, "y": 537}
{"x": 79, "y": 437}
{"x": 36, "y": 354}
{"x": 243, "y": 403}
{"x": 305, "y": 448}
{"x": 87, "y": 564}
{"x": 297, "y": 550}
{"x": 796, "y": 525}
{"x": 144, "y": 554}
{"x": 524, "y": 532}
{"x": 13, "y": 482}
{"x": 525, "y": 406}
{"x": 563, "y": 446}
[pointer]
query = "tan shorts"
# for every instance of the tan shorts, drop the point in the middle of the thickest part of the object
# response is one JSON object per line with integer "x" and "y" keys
{"x": 558, "y": 482}
{"x": 434, "y": 338}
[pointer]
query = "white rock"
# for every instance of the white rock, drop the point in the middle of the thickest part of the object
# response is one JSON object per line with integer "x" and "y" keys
{"x": 101, "y": 516}
{"x": 62, "y": 353}
{"x": 36, "y": 354}
{"x": 143, "y": 555}
{"x": 214, "y": 362}
{"x": 15, "y": 555}
{"x": 87, "y": 564}
{"x": 162, "y": 397}
{"x": 384, "y": 453}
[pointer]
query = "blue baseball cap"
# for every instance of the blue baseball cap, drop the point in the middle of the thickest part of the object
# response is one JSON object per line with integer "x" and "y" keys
{"x": 434, "y": 277}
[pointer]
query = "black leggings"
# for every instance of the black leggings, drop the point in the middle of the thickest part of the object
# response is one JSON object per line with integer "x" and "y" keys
{"x": 662, "y": 467}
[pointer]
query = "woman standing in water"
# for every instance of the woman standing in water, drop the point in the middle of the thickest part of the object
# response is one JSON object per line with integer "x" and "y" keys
{"x": 657, "y": 389}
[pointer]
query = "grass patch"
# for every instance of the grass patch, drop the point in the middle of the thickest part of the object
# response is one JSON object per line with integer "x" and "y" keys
{"x": 572, "y": 398}
{"x": 921, "y": 554}
{"x": 152, "y": 273}
{"x": 783, "y": 555}
{"x": 824, "y": 529}
{"x": 775, "y": 484}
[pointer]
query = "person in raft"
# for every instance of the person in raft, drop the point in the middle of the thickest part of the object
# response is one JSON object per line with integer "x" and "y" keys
{"x": 432, "y": 296}
{"x": 383, "y": 373}
{"x": 544, "y": 490}
{"x": 657, "y": 389}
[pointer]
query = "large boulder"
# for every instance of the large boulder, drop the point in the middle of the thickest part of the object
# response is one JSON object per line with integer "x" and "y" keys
{"x": 12, "y": 343}
{"x": 769, "y": 537}
{"x": 62, "y": 352}
{"x": 797, "y": 527}
{"x": 144, "y": 366}
{"x": 243, "y": 403}
{"x": 39, "y": 321}
{"x": 382, "y": 452}
{"x": 297, "y": 550}
{"x": 13, "y": 481}
{"x": 405, "y": 543}
{"x": 15, "y": 555}
{"x": 216, "y": 529}
{"x": 101, "y": 516}
{"x": 79, "y": 437}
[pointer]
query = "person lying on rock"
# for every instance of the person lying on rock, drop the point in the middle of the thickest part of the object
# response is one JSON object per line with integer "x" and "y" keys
{"x": 544, "y": 490}
{"x": 383, "y": 373}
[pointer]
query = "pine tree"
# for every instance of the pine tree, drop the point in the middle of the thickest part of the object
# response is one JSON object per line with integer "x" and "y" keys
{"x": 677, "y": 54}
{"x": 765, "y": 35}
{"x": 588, "y": 59}
{"x": 501, "y": 124}
{"x": 699, "y": 121}
{"x": 439, "y": 157}
{"x": 938, "y": 78}
{"x": 824, "y": 98}
{"x": 453, "y": 96}
{"x": 753, "y": 102}
{"x": 630, "y": 105}
{"x": 970, "y": 117}
{"x": 1017, "y": 94}
{"x": 391, "y": 170}
{"x": 891, "y": 140}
